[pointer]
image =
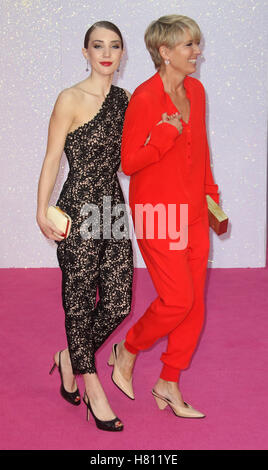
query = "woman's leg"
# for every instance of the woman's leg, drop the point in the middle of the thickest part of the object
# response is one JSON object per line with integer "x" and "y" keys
{"x": 175, "y": 298}
{"x": 115, "y": 293}
{"x": 115, "y": 288}
{"x": 80, "y": 275}
{"x": 172, "y": 279}
{"x": 179, "y": 278}
{"x": 183, "y": 339}
{"x": 78, "y": 260}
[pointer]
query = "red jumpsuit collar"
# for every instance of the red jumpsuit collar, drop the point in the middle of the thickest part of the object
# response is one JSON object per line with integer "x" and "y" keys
{"x": 171, "y": 106}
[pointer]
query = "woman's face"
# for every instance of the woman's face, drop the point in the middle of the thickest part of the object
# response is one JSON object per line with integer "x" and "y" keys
{"x": 184, "y": 55}
{"x": 104, "y": 51}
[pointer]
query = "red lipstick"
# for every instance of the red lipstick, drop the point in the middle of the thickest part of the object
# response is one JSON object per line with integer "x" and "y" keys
{"x": 106, "y": 64}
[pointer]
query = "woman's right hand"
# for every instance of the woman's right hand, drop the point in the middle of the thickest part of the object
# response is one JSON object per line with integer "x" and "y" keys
{"x": 49, "y": 229}
{"x": 174, "y": 120}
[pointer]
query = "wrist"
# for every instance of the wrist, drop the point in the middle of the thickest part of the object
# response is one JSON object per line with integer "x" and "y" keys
{"x": 41, "y": 213}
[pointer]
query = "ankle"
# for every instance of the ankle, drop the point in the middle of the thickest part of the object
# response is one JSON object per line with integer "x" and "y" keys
{"x": 127, "y": 356}
{"x": 65, "y": 357}
{"x": 129, "y": 349}
{"x": 160, "y": 384}
{"x": 93, "y": 387}
{"x": 167, "y": 385}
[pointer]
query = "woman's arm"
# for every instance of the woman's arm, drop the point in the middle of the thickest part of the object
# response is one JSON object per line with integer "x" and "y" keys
{"x": 60, "y": 122}
{"x": 128, "y": 96}
{"x": 143, "y": 145}
{"x": 210, "y": 187}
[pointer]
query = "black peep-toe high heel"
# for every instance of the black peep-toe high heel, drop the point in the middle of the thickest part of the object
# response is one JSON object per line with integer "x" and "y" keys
{"x": 114, "y": 425}
{"x": 72, "y": 397}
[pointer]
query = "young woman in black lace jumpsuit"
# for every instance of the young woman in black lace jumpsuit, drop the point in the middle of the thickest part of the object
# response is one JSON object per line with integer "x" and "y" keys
{"x": 97, "y": 255}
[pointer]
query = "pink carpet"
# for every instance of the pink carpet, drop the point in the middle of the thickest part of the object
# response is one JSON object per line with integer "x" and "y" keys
{"x": 227, "y": 378}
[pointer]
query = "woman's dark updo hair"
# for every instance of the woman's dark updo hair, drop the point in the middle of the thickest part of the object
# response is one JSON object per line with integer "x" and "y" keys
{"x": 102, "y": 24}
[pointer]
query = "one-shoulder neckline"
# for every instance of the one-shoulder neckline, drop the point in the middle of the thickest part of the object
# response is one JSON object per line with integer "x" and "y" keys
{"x": 82, "y": 126}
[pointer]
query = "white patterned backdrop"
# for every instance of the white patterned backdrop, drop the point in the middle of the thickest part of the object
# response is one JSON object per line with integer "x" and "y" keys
{"x": 41, "y": 43}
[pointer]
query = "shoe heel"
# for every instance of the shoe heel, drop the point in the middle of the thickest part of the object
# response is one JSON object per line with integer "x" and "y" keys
{"x": 88, "y": 414}
{"x": 160, "y": 403}
{"x": 86, "y": 403}
{"x": 111, "y": 359}
{"x": 52, "y": 368}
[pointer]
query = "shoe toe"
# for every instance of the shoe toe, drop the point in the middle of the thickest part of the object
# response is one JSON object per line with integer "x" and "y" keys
{"x": 193, "y": 413}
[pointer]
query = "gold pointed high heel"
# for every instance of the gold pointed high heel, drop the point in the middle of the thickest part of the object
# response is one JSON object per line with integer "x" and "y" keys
{"x": 124, "y": 385}
{"x": 180, "y": 411}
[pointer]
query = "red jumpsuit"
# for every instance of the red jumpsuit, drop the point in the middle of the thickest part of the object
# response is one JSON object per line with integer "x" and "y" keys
{"x": 170, "y": 168}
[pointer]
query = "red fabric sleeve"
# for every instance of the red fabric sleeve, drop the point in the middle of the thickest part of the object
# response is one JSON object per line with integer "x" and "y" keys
{"x": 138, "y": 126}
{"x": 210, "y": 187}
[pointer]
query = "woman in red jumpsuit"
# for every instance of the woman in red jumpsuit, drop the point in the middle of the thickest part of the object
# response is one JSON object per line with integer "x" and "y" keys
{"x": 165, "y": 151}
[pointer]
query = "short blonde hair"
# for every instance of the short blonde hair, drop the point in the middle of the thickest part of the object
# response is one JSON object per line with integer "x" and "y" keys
{"x": 168, "y": 31}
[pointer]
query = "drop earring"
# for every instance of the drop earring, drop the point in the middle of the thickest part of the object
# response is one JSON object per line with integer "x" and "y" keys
{"x": 87, "y": 69}
{"x": 167, "y": 61}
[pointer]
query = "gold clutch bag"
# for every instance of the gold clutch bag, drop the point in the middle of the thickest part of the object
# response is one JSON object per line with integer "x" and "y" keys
{"x": 62, "y": 220}
{"x": 218, "y": 220}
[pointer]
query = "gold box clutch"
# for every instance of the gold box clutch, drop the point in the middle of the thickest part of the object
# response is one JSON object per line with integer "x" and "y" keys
{"x": 218, "y": 220}
{"x": 62, "y": 220}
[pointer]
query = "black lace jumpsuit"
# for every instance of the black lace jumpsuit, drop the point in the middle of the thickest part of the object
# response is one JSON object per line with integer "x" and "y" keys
{"x": 96, "y": 258}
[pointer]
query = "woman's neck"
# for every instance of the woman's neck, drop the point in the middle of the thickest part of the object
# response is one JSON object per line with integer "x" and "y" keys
{"x": 173, "y": 82}
{"x": 99, "y": 84}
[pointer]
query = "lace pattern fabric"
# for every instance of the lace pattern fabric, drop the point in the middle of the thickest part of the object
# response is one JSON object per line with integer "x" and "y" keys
{"x": 90, "y": 265}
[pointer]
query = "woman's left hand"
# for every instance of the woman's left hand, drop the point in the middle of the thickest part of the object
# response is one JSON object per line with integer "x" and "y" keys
{"x": 174, "y": 120}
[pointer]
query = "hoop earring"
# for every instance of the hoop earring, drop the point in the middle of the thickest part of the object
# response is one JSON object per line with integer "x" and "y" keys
{"x": 167, "y": 61}
{"x": 87, "y": 69}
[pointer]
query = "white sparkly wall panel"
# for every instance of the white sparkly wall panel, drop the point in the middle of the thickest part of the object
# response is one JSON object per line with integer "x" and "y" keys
{"x": 41, "y": 45}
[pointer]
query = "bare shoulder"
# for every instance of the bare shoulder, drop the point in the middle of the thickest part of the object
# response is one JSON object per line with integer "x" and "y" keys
{"x": 66, "y": 100}
{"x": 83, "y": 89}
{"x": 127, "y": 93}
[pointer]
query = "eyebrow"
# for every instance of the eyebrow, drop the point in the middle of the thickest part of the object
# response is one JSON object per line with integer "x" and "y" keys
{"x": 98, "y": 40}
